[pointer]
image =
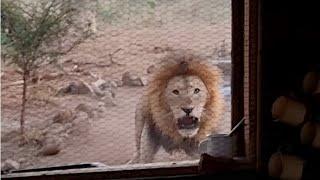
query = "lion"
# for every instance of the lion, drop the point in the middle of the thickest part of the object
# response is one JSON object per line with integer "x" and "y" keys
{"x": 180, "y": 108}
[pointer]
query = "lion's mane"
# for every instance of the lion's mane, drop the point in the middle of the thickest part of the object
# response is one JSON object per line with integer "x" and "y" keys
{"x": 176, "y": 64}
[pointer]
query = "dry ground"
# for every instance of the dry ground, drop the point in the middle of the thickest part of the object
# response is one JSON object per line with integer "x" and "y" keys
{"x": 108, "y": 136}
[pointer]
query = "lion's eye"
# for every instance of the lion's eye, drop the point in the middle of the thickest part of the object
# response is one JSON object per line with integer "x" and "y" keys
{"x": 197, "y": 90}
{"x": 175, "y": 92}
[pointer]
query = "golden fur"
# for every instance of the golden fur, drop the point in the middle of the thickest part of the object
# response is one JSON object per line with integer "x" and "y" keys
{"x": 210, "y": 75}
{"x": 155, "y": 123}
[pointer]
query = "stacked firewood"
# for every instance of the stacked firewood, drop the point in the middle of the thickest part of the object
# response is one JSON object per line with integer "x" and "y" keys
{"x": 303, "y": 114}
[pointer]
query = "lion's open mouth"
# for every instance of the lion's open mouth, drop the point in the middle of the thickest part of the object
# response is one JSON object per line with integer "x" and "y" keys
{"x": 188, "y": 122}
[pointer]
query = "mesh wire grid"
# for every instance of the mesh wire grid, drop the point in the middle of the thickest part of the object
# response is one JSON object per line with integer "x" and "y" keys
{"x": 85, "y": 106}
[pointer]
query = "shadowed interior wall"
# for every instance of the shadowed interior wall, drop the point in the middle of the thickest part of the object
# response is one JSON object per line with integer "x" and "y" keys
{"x": 290, "y": 48}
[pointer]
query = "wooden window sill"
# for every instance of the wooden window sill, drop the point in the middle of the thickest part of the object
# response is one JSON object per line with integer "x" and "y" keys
{"x": 206, "y": 165}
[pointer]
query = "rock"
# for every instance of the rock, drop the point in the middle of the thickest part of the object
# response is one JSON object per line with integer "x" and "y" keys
{"x": 101, "y": 107}
{"x": 10, "y": 165}
{"x": 34, "y": 136}
{"x": 119, "y": 83}
{"x": 82, "y": 107}
{"x": 51, "y": 145}
{"x": 85, "y": 73}
{"x": 113, "y": 84}
{"x": 55, "y": 129}
{"x": 131, "y": 79}
{"x": 101, "y": 84}
{"x": 81, "y": 116}
{"x": 151, "y": 69}
{"x": 102, "y": 87}
{"x": 68, "y": 125}
{"x": 75, "y": 88}
{"x": 108, "y": 100}
{"x": 68, "y": 128}
{"x": 64, "y": 135}
{"x": 50, "y": 149}
{"x": 85, "y": 108}
{"x": 76, "y": 68}
{"x": 101, "y": 104}
{"x": 81, "y": 124}
{"x": 144, "y": 80}
{"x": 63, "y": 117}
{"x": 69, "y": 131}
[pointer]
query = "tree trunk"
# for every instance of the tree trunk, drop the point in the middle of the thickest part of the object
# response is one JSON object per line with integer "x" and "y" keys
{"x": 24, "y": 100}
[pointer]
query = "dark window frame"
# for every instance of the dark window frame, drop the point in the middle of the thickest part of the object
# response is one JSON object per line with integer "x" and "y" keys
{"x": 244, "y": 83}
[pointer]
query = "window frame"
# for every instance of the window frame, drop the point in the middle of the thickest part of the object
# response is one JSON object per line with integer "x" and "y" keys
{"x": 244, "y": 88}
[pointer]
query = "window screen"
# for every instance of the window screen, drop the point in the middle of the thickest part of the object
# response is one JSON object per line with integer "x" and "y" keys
{"x": 81, "y": 108}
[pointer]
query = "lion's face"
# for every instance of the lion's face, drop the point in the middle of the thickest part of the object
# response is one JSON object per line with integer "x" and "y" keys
{"x": 186, "y": 96}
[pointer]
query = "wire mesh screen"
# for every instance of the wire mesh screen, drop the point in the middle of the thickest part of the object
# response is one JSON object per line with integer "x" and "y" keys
{"x": 84, "y": 106}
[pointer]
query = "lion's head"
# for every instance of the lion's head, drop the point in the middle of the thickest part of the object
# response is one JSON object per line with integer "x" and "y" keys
{"x": 184, "y": 97}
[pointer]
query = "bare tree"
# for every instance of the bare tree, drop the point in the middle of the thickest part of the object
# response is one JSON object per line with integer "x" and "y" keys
{"x": 32, "y": 34}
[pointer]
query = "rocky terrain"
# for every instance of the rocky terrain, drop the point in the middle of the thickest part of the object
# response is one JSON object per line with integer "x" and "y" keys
{"x": 81, "y": 109}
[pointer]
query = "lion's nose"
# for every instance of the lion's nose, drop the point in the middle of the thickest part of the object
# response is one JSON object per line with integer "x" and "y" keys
{"x": 187, "y": 110}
